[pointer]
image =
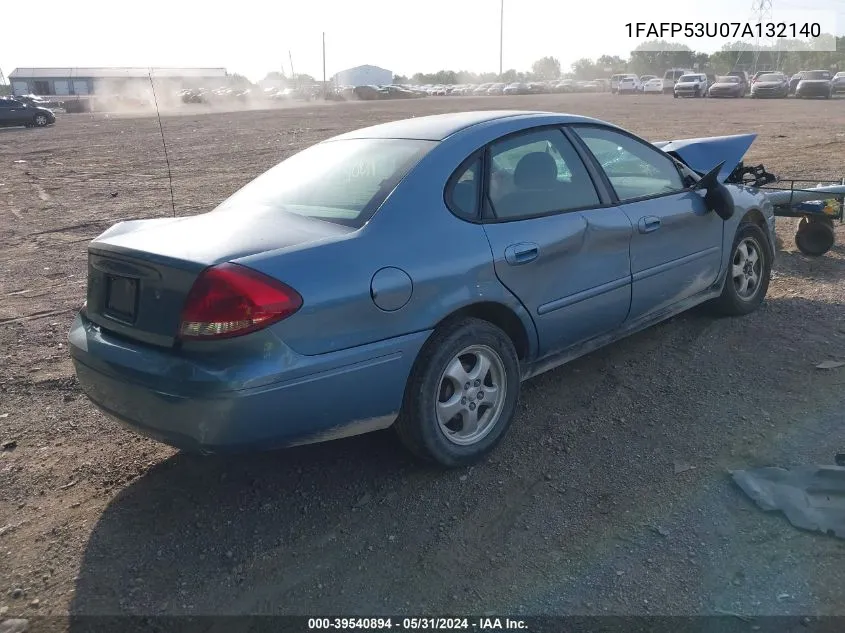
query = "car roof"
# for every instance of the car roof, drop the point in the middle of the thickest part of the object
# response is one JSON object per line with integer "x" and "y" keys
{"x": 437, "y": 127}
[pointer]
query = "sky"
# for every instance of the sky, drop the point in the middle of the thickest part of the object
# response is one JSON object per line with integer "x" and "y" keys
{"x": 252, "y": 37}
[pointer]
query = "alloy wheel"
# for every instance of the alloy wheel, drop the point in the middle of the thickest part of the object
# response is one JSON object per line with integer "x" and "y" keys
{"x": 471, "y": 395}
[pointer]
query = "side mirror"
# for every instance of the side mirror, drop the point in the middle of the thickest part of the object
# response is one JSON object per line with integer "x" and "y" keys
{"x": 717, "y": 198}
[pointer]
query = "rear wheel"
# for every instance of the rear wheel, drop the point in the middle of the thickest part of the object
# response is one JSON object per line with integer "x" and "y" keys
{"x": 462, "y": 394}
{"x": 748, "y": 274}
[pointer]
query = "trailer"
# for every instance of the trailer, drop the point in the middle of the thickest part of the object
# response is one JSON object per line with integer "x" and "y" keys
{"x": 817, "y": 207}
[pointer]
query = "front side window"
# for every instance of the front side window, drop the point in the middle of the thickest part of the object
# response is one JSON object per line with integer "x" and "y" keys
{"x": 634, "y": 169}
{"x": 537, "y": 173}
{"x": 342, "y": 181}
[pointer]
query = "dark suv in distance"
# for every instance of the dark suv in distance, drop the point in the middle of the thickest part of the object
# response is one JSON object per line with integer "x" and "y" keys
{"x": 15, "y": 113}
{"x": 815, "y": 83}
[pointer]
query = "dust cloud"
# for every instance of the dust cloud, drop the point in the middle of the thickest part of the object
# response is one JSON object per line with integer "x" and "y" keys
{"x": 140, "y": 97}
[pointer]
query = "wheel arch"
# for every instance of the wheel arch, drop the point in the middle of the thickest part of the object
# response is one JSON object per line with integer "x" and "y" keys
{"x": 753, "y": 215}
{"x": 516, "y": 323}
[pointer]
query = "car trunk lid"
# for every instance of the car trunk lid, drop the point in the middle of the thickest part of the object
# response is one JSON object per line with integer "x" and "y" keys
{"x": 140, "y": 272}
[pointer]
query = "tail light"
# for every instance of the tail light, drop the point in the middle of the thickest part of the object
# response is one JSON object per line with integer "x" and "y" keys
{"x": 230, "y": 300}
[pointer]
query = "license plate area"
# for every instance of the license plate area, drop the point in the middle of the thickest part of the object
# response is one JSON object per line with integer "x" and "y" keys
{"x": 121, "y": 298}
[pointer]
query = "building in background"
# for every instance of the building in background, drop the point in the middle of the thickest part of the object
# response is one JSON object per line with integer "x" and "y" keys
{"x": 86, "y": 81}
{"x": 363, "y": 76}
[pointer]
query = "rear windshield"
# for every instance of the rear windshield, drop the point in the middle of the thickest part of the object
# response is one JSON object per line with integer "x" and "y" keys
{"x": 727, "y": 80}
{"x": 770, "y": 77}
{"x": 342, "y": 181}
{"x": 817, "y": 74}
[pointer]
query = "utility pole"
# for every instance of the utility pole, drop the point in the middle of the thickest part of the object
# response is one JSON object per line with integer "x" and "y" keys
{"x": 325, "y": 87}
{"x": 292, "y": 71}
{"x": 501, "y": 35}
{"x": 762, "y": 10}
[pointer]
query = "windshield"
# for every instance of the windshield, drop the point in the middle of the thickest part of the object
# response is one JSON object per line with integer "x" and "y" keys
{"x": 770, "y": 77}
{"x": 817, "y": 74}
{"x": 727, "y": 80}
{"x": 341, "y": 181}
{"x": 689, "y": 79}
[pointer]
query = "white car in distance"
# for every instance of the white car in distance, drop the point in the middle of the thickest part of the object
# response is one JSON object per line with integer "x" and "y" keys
{"x": 629, "y": 84}
{"x": 653, "y": 85}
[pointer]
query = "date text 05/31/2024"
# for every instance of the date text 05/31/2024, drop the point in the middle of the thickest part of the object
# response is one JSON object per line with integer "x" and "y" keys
{"x": 417, "y": 624}
{"x": 724, "y": 29}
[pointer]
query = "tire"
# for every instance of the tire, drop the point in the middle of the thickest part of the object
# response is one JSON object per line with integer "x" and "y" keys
{"x": 675, "y": 94}
{"x": 734, "y": 301}
{"x": 448, "y": 442}
{"x": 814, "y": 237}
{"x": 40, "y": 120}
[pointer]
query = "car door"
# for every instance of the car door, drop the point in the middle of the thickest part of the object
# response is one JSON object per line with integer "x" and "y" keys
{"x": 555, "y": 246}
{"x": 676, "y": 246}
{"x": 19, "y": 113}
{"x": 6, "y": 112}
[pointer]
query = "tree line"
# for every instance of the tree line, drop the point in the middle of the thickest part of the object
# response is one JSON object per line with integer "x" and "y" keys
{"x": 734, "y": 56}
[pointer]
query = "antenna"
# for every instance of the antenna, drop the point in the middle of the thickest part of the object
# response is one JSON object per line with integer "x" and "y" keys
{"x": 501, "y": 35}
{"x": 163, "y": 142}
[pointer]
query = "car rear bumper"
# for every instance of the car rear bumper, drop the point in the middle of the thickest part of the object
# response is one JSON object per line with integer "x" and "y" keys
{"x": 158, "y": 393}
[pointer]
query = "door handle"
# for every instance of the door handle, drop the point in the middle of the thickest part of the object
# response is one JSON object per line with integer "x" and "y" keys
{"x": 522, "y": 253}
{"x": 648, "y": 224}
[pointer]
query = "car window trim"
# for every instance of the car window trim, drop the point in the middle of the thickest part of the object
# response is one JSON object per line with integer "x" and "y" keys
{"x": 484, "y": 213}
{"x": 606, "y": 179}
{"x": 477, "y": 155}
{"x": 488, "y": 215}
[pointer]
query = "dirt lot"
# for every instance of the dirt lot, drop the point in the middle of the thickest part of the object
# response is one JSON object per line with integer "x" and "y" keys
{"x": 587, "y": 507}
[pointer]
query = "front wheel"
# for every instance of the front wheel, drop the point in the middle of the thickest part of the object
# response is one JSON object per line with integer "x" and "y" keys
{"x": 462, "y": 393}
{"x": 749, "y": 272}
{"x": 40, "y": 120}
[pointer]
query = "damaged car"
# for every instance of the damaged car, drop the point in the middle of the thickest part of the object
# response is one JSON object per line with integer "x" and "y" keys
{"x": 412, "y": 275}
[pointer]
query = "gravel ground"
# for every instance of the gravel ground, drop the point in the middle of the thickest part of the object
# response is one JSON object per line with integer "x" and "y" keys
{"x": 609, "y": 496}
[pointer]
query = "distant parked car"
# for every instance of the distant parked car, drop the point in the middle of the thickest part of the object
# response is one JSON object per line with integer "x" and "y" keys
{"x": 565, "y": 86}
{"x": 496, "y": 89}
{"x": 15, "y": 113}
{"x": 838, "y": 82}
{"x": 815, "y": 83}
{"x": 628, "y": 84}
{"x": 770, "y": 85}
{"x": 482, "y": 89}
{"x": 614, "y": 82}
{"x": 653, "y": 86}
{"x": 671, "y": 76}
{"x": 694, "y": 85}
{"x": 515, "y": 89}
{"x": 727, "y": 86}
{"x": 744, "y": 79}
{"x": 793, "y": 81}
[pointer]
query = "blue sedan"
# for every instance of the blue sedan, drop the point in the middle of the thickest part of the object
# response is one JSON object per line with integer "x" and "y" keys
{"x": 412, "y": 274}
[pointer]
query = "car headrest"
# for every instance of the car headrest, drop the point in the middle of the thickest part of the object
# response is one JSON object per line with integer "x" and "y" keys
{"x": 536, "y": 170}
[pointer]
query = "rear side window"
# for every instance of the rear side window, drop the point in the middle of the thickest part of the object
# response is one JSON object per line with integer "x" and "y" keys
{"x": 342, "y": 181}
{"x": 537, "y": 173}
{"x": 464, "y": 190}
